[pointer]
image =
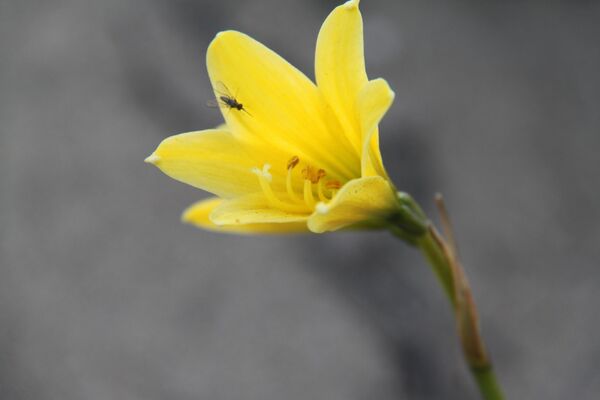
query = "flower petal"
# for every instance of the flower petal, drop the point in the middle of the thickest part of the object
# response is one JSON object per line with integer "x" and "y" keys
{"x": 198, "y": 214}
{"x": 211, "y": 160}
{"x": 252, "y": 209}
{"x": 363, "y": 200}
{"x": 282, "y": 108}
{"x": 340, "y": 65}
{"x": 374, "y": 100}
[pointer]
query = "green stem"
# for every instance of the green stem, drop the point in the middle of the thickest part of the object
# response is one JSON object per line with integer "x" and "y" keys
{"x": 437, "y": 260}
{"x": 410, "y": 224}
{"x": 482, "y": 373}
{"x": 488, "y": 385}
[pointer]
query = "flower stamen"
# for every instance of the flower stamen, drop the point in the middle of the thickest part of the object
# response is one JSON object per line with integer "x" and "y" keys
{"x": 265, "y": 178}
{"x": 293, "y": 202}
{"x": 311, "y": 176}
{"x": 333, "y": 186}
{"x": 322, "y": 196}
{"x": 308, "y": 194}
{"x": 288, "y": 181}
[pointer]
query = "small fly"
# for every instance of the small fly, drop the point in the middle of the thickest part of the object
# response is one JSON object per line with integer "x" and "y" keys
{"x": 226, "y": 99}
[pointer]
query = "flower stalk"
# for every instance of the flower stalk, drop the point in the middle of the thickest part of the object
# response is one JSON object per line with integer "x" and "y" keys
{"x": 442, "y": 255}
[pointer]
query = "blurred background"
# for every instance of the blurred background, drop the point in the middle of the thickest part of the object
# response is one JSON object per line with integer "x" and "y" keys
{"x": 104, "y": 294}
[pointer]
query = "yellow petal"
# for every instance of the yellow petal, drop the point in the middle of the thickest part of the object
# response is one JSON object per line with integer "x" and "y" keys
{"x": 211, "y": 160}
{"x": 340, "y": 65}
{"x": 282, "y": 109}
{"x": 363, "y": 200}
{"x": 374, "y": 100}
{"x": 252, "y": 209}
{"x": 198, "y": 214}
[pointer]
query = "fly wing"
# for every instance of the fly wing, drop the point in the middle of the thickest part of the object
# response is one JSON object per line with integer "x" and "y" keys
{"x": 221, "y": 89}
{"x": 214, "y": 104}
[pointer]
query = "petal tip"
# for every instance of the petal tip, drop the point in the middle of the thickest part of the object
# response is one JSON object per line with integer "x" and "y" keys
{"x": 221, "y": 41}
{"x": 213, "y": 43}
{"x": 186, "y": 217}
{"x": 152, "y": 159}
{"x": 224, "y": 35}
{"x": 392, "y": 94}
{"x": 383, "y": 83}
{"x": 351, "y": 4}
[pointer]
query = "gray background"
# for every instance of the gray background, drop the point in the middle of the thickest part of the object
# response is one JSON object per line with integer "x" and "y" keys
{"x": 105, "y": 295}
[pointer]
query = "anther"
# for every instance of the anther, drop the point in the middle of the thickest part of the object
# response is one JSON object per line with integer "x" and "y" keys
{"x": 293, "y": 162}
{"x": 312, "y": 174}
{"x": 306, "y": 172}
{"x": 333, "y": 185}
{"x": 320, "y": 174}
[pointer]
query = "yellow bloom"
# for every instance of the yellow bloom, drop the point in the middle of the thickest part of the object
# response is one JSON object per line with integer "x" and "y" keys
{"x": 292, "y": 156}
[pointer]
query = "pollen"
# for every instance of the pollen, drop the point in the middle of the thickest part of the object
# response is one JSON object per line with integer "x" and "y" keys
{"x": 312, "y": 174}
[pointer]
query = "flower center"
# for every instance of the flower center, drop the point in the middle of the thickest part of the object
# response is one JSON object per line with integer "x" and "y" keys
{"x": 314, "y": 188}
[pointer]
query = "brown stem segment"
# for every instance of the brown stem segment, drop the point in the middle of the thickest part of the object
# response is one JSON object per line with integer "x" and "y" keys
{"x": 442, "y": 255}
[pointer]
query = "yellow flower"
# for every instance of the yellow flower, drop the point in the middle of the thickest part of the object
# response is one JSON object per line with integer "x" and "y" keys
{"x": 292, "y": 156}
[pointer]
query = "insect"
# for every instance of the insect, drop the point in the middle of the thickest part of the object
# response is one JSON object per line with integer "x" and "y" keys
{"x": 226, "y": 99}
